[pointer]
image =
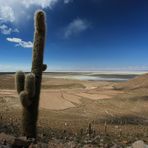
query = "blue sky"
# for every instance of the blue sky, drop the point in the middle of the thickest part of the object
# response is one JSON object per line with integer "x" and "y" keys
{"x": 81, "y": 34}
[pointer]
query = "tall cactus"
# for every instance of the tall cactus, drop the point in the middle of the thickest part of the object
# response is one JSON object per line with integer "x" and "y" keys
{"x": 28, "y": 87}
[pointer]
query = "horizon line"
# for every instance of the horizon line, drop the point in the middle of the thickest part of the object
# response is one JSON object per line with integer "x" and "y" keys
{"x": 86, "y": 71}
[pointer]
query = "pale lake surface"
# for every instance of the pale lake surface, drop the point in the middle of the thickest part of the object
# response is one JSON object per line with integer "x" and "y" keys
{"x": 96, "y": 76}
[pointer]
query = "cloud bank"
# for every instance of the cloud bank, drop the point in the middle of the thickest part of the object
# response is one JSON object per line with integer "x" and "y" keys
{"x": 20, "y": 42}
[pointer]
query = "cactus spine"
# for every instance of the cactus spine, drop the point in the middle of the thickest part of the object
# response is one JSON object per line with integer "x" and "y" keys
{"x": 28, "y": 87}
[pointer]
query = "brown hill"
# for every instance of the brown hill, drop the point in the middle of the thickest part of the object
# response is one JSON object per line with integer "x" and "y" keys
{"x": 136, "y": 83}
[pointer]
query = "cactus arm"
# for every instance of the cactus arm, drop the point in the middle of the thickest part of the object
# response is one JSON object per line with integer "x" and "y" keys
{"x": 19, "y": 81}
{"x": 44, "y": 67}
{"x": 29, "y": 90}
{"x": 30, "y": 85}
{"x": 24, "y": 98}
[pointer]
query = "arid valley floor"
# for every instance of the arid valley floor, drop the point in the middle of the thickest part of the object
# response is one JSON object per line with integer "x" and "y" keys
{"x": 117, "y": 111}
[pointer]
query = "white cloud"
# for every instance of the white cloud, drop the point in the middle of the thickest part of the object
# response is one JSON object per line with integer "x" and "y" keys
{"x": 15, "y": 40}
{"x": 6, "y": 13}
{"x": 20, "y": 42}
{"x": 4, "y": 29}
{"x": 41, "y": 3}
{"x": 11, "y": 10}
{"x": 75, "y": 27}
{"x": 67, "y": 1}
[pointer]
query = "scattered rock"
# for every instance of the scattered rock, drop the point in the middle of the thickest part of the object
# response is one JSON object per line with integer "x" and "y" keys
{"x": 139, "y": 144}
{"x": 4, "y": 138}
{"x": 20, "y": 142}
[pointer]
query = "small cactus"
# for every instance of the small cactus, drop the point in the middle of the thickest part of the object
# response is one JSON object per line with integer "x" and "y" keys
{"x": 81, "y": 132}
{"x": 89, "y": 129}
{"x": 28, "y": 87}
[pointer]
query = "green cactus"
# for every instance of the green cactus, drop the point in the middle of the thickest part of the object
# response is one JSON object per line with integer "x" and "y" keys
{"x": 28, "y": 87}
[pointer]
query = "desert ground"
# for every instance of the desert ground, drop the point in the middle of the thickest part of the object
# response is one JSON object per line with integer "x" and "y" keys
{"x": 116, "y": 111}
